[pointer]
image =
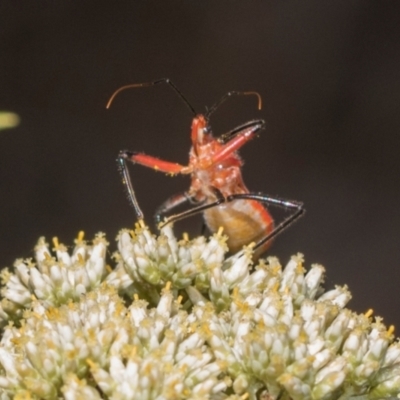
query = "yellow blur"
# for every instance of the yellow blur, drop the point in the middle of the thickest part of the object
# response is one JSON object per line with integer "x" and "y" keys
{"x": 8, "y": 120}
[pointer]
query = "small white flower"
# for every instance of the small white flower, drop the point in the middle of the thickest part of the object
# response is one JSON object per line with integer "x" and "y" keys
{"x": 176, "y": 320}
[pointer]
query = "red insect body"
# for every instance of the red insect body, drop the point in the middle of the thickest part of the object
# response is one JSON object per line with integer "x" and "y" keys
{"x": 217, "y": 189}
{"x": 215, "y": 165}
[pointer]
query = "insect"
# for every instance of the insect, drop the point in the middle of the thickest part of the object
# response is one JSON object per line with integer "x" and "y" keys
{"x": 217, "y": 189}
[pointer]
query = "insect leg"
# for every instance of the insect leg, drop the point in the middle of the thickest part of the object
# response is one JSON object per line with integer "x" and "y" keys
{"x": 255, "y": 125}
{"x": 147, "y": 161}
{"x": 241, "y": 135}
{"x": 126, "y": 180}
{"x": 192, "y": 211}
{"x": 155, "y": 163}
{"x": 296, "y": 207}
{"x": 171, "y": 203}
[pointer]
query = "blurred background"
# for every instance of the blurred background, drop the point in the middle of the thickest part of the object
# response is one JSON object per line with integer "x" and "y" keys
{"x": 329, "y": 76}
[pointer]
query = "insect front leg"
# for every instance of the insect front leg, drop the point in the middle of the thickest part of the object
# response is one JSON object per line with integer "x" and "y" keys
{"x": 251, "y": 126}
{"x": 123, "y": 156}
{"x": 147, "y": 161}
{"x": 236, "y": 138}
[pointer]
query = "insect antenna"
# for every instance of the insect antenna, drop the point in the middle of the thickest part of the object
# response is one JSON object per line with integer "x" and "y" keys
{"x": 228, "y": 95}
{"x": 147, "y": 84}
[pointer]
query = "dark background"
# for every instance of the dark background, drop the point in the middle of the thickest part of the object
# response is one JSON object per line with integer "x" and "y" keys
{"x": 329, "y": 76}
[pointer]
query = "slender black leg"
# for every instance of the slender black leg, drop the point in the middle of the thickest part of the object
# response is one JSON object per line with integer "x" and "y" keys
{"x": 192, "y": 211}
{"x": 170, "y": 204}
{"x": 297, "y": 210}
{"x": 253, "y": 126}
{"x": 123, "y": 156}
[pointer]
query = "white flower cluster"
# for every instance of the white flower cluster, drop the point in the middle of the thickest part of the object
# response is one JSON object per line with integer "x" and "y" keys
{"x": 178, "y": 320}
{"x": 53, "y": 281}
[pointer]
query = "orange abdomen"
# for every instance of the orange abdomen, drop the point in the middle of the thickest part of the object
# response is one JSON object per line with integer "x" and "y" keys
{"x": 244, "y": 221}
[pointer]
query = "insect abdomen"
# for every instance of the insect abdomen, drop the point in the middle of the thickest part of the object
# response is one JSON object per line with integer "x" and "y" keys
{"x": 244, "y": 221}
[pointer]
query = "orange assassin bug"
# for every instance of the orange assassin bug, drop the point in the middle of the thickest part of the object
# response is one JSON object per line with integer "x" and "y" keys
{"x": 217, "y": 189}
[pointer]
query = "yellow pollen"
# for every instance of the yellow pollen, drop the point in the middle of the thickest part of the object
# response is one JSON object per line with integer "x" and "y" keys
{"x": 287, "y": 290}
{"x": 251, "y": 245}
{"x": 81, "y": 235}
{"x": 141, "y": 223}
{"x": 369, "y": 313}
{"x": 80, "y": 258}
{"x": 206, "y": 330}
{"x": 136, "y": 297}
{"x": 245, "y": 396}
{"x": 37, "y": 315}
{"x": 90, "y": 363}
{"x": 147, "y": 369}
{"x": 55, "y": 242}
{"x": 185, "y": 236}
{"x": 179, "y": 299}
{"x": 133, "y": 351}
{"x": 275, "y": 288}
{"x": 168, "y": 286}
{"x": 23, "y": 396}
{"x": 220, "y": 231}
{"x": 108, "y": 268}
{"x": 391, "y": 329}
{"x": 47, "y": 256}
